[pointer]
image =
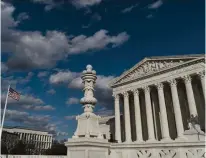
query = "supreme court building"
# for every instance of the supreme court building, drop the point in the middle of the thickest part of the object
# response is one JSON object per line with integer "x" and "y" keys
{"x": 157, "y": 98}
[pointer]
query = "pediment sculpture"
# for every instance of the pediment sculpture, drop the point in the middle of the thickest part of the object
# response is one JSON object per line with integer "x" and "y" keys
{"x": 150, "y": 67}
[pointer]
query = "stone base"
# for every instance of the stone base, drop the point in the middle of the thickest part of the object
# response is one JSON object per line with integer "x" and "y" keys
{"x": 88, "y": 126}
{"x": 87, "y": 148}
{"x": 194, "y": 134}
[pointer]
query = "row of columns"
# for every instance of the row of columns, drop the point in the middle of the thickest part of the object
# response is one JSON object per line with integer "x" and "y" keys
{"x": 163, "y": 112}
{"x": 45, "y": 140}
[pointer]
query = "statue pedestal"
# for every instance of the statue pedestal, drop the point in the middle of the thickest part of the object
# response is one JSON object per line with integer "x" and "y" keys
{"x": 87, "y": 148}
{"x": 88, "y": 141}
{"x": 194, "y": 133}
{"x": 88, "y": 126}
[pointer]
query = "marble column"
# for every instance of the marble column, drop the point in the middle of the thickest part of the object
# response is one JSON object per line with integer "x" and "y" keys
{"x": 190, "y": 95}
{"x": 127, "y": 117}
{"x": 202, "y": 79}
{"x": 20, "y": 136}
{"x": 41, "y": 138}
{"x": 150, "y": 122}
{"x": 29, "y": 137}
{"x": 41, "y": 141}
{"x": 177, "y": 110}
{"x": 138, "y": 122}
{"x": 117, "y": 118}
{"x": 51, "y": 142}
{"x": 163, "y": 113}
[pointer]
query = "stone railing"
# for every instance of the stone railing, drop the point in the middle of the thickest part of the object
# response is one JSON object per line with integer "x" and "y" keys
{"x": 32, "y": 156}
{"x": 159, "y": 150}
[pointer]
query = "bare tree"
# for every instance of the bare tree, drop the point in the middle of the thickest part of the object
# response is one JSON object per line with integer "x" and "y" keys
{"x": 9, "y": 140}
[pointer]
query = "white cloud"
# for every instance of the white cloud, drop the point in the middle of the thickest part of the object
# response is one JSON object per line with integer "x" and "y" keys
{"x": 76, "y": 83}
{"x": 72, "y": 101}
{"x": 39, "y": 107}
{"x": 86, "y": 26}
{"x": 62, "y": 133}
{"x": 129, "y": 9}
{"x": 72, "y": 117}
{"x": 62, "y": 77}
{"x": 27, "y": 119}
{"x": 156, "y": 4}
{"x": 33, "y": 50}
{"x": 22, "y": 16}
{"x": 150, "y": 16}
{"x": 24, "y": 119}
{"x": 98, "y": 41}
{"x": 96, "y": 17}
{"x": 105, "y": 112}
{"x": 4, "y": 68}
{"x": 13, "y": 81}
{"x": 51, "y": 91}
{"x": 43, "y": 74}
{"x": 27, "y": 102}
{"x": 50, "y": 4}
{"x": 85, "y": 3}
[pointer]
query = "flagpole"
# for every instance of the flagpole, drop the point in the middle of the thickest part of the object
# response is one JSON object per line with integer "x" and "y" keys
{"x": 2, "y": 122}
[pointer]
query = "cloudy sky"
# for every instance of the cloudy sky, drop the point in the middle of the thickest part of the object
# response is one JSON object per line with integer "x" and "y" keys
{"x": 46, "y": 44}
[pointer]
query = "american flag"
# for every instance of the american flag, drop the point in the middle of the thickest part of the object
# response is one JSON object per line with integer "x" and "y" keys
{"x": 14, "y": 94}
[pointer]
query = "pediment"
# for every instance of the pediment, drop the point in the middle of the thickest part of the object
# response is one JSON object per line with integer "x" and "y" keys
{"x": 152, "y": 65}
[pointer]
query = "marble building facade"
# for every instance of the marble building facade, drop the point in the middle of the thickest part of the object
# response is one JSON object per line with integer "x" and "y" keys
{"x": 158, "y": 96}
{"x": 155, "y": 102}
{"x": 42, "y": 140}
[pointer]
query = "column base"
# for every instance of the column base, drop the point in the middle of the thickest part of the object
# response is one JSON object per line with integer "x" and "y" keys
{"x": 139, "y": 141}
{"x": 128, "y": 141}
{"x": 181, "y": 139}
{"x": 151, "y": 141}
{"x": 119, "y": 141}
{"x": 166, "y": 140}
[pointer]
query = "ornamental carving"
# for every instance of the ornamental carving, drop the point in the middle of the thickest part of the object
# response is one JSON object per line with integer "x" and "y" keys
{"x": 201, "y": 74}
{"x": 116, "y": 96}
{"x": 159, "y": 86}
{"x": 173, "y": 82}
{"x": 126, "y": 94}
{"x": 150, "y": 67}
{"x": 187, "y": 79}
{"x": 146, "y": 89}
{"x": 135, "y": 91}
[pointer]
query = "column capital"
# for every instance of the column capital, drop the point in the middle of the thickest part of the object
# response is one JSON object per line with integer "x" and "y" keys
{"x": 173, "y": 82}
{"x": 126, "y": 94}
{"x": 115, "y": 95}
{"x": 135, "y": 91}
{"x": 146, "y": 88}
{"x": 201, "y": 74}
{"x": 187, "y": 78}
{"x": 159, "y": 86}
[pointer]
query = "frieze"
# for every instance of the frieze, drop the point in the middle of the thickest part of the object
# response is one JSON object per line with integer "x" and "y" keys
{"x": 150, "y": 67}
{"x": 191, "y": 69}
{"x": 182, "y": 64}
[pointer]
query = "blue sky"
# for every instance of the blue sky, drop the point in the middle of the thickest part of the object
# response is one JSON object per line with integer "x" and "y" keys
{"x": 46, "y": 44}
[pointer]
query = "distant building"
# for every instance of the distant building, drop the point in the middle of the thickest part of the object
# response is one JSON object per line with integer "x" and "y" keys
{"x": 40, "y": 139}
